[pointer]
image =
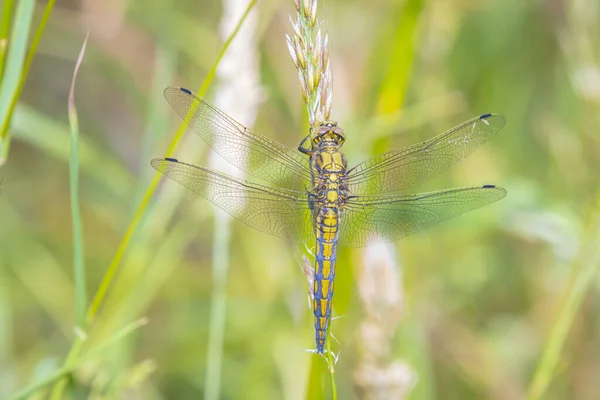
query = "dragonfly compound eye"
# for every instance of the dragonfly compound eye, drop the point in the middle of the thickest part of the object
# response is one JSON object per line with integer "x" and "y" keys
{"x": 339, "y": 133}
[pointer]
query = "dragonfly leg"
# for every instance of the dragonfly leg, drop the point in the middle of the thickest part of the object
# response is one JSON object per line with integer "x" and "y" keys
{"x": 303, "y": 149}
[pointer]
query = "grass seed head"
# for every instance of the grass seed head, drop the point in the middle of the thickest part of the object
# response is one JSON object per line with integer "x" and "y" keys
{"x": 309, "y": 50}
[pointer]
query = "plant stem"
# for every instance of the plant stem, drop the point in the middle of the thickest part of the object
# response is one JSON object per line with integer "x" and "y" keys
{"x": 218, "y": 307}
{"x": 78, "y": 262}
{"x": 331, "y": 369}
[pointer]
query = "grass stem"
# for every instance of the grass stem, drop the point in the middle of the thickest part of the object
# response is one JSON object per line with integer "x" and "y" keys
{"x": 331, "y": 369}
{"x": 78, "y": 262}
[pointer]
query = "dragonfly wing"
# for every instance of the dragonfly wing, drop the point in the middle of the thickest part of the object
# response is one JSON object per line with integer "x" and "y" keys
{"x": 279, "y": 212}
{"x": 402, "y": 168}
{"x": 373, "y": 219}
{"x": 257, "y": 155}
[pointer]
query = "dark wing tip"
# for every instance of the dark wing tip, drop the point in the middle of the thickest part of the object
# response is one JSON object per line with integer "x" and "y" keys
{"x": 496, "y": 120}
{"x": 159, "y": 163}
{"x": 500, "y": 191}
{"x": 171, "y": 89}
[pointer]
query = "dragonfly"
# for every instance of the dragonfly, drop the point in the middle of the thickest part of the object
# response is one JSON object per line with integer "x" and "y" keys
{"x": 311, "y": 193}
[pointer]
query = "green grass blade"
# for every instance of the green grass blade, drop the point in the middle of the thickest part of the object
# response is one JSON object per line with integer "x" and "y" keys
{"x": 331, "y": 360}
{"x": 13, "y": 75}
{"x": 316, "y": 389}
{"x": 165, "y": 61}
{"x": 20, "y": 30}
{"x": 584, "y": 270}
{"x": 5, "y": 20}
{"x": 397, "y": 77}
{"x": 78, "y": 262}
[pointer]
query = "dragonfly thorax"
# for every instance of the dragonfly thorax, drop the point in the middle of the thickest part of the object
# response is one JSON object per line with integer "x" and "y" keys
{"x": 328, "y": 135}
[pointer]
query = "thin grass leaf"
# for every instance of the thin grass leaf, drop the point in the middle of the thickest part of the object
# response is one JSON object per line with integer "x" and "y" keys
{"x": 165, "y": 61}
{"x": 5, "y": 20}
{"x": 20, "y": 30}
{"x": 331, "y": 360}
{"x": 584, "y": 272}
{"x": 78, "y": 247}
{"x": 11, "y": 80}
{"x": 396, "y": 79}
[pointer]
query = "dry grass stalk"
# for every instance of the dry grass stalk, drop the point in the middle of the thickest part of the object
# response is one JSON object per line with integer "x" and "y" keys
{"x": 238, "y": 93}
{"x": 376, "y": 375}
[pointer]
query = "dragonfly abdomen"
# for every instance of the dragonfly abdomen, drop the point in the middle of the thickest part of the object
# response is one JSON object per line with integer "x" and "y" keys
{"x": 327, "y": 223}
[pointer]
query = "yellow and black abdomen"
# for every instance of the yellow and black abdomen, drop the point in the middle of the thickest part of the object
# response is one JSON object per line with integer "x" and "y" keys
{"x": 328, "y": 168}
{"x": 327, "y": 221}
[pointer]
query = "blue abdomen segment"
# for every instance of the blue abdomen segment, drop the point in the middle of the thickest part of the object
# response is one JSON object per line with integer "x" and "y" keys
{"x": 323, "y": 289}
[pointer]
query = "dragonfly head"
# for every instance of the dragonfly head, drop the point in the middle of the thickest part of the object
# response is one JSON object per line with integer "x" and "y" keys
{"x": 328, "y": 133}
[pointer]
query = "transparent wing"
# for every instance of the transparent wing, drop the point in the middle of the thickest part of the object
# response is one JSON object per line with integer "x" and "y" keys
{"x": 414, "y": 164}
{"x": 257, "y": 155}
{"x": 374, "y": 219}
{"x": 279, "y": 212}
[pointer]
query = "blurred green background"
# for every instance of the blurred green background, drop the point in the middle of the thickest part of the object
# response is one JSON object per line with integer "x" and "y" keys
{"x": 488, "y": 303}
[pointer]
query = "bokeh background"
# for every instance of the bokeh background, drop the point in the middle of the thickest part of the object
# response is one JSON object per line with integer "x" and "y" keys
{"x": 501, "y": 303}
